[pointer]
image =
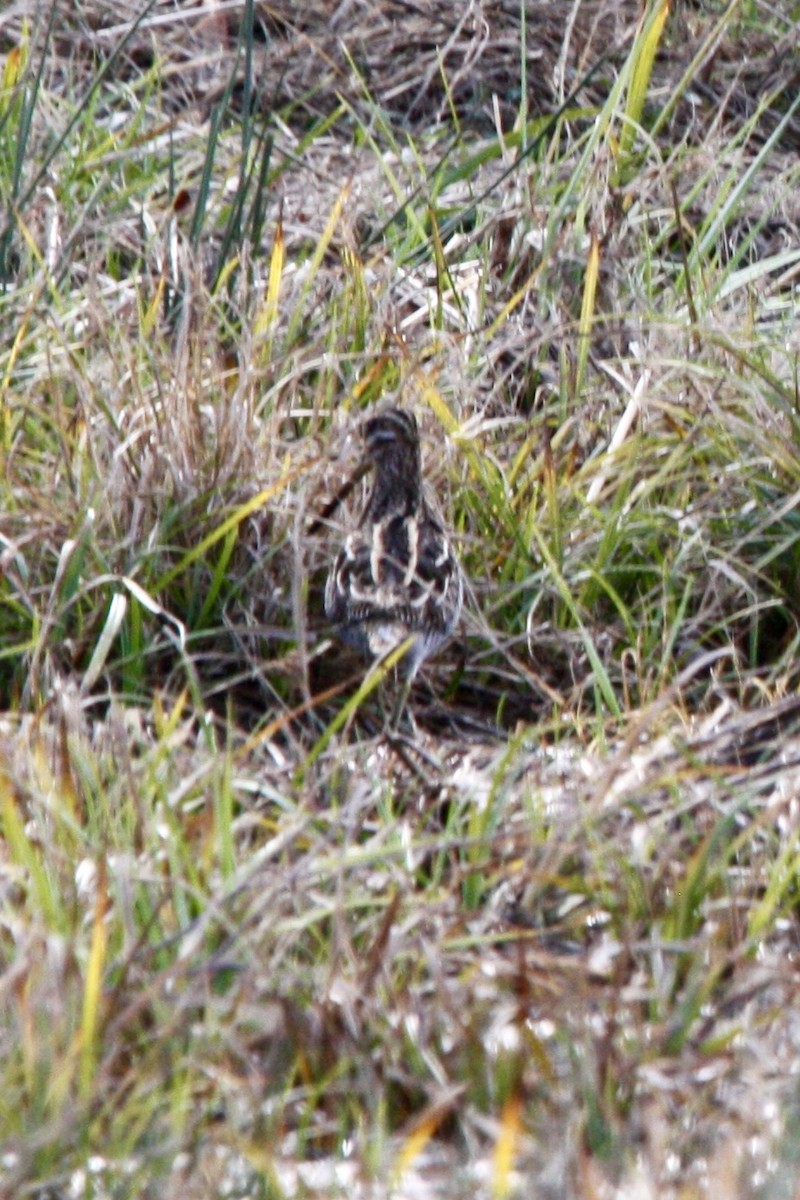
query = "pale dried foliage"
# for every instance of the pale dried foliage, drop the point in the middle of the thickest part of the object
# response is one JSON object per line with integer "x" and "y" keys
{"x": 335, "y": 967}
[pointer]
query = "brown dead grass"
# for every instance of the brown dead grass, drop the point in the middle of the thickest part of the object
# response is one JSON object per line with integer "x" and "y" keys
{"x": 550, "y": 927}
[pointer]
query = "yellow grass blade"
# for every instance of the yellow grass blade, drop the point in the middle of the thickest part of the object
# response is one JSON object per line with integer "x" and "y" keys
{"x": 93, "y": 983}
{"x": 421, "y": 1133}
{"x": 645, "y": 52}
{"x": 505, "y": 1151}
{"x": 267, "y": 315}
{"x": 236, "y": 518}
{"x": 373, "y": 679}
{"x": 320, "y": 251}
{"x": 433, "y": 398}
{"x": 22, "y": 850}
{"x": 154, "y": 309}
{"x": 14, "y": 68}
{"x": 587, "y": 313}
{"x": 166, "y": 722}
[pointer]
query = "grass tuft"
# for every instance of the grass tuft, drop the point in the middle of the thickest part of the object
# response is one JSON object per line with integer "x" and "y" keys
{"x": 248, "y": 944}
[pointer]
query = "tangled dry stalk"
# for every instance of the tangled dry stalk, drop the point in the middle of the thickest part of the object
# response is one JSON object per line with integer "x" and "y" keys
{"x": 248, "y": 947}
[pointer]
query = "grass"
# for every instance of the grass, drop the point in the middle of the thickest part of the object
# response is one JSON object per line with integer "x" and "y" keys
{"x": 247, "y": 947}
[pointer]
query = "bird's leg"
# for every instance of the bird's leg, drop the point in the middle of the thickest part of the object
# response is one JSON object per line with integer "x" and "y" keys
{"x": 403, "y": 672}
{"x": 401, "y": 702}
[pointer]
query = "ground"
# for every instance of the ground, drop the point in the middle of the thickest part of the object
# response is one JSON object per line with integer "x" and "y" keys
{"x": 547, "y": 942}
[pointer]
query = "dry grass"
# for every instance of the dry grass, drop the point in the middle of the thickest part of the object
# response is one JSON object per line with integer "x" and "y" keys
{"x": 247, "y": 948}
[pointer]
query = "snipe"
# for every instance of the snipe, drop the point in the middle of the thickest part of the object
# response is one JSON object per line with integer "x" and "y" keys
{"x": 396, "y": 575}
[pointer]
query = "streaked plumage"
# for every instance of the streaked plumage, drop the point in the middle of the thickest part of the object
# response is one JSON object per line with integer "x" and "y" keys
{"x": 396, "y": 574}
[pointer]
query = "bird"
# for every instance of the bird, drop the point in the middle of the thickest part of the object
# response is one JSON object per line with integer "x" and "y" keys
{"x": 396, "y": 576}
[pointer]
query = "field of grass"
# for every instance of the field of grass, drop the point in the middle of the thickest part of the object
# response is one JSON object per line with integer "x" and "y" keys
{"x": 549, "y": 947}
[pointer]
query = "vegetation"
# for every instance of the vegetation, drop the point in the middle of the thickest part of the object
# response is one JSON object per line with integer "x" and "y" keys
{"x": 248, "y": 947}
